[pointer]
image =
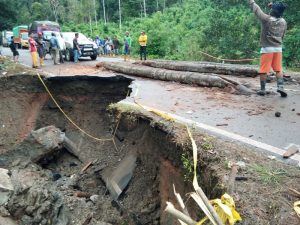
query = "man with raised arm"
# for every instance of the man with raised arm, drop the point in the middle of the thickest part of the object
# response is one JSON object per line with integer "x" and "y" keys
{"x": 273, "y": 28}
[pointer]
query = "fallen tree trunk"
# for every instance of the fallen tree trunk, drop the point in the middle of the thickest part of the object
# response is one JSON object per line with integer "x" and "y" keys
{"x": 204, "y": 67}
{"x": 205, "y": 80}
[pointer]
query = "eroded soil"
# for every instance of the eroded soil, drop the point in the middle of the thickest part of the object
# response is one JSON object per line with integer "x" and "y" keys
{"x": 50, "y": 192}
{"x": 53, "y": 184}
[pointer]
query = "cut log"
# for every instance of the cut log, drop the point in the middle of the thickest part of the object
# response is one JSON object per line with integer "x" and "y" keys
{"x": 205, "y": 80}
{"x": 205, "y": 67}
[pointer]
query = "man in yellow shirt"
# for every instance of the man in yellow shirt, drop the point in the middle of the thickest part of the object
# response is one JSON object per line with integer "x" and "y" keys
{"x": 143, "y": 45}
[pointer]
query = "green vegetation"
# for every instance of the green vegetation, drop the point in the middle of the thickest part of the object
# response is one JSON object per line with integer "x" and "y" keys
{"x": 187, "y": 163}
{"x": 207, "y": 143}
{"x": 177, "y": 29}
{"x": 269, "y": 175}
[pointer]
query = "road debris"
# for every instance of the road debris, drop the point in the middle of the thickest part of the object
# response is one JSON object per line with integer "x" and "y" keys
{"x": 277, "y": 114}
{"x": 6, "y": 186}
{"x": 94, "y": 198}
{"x": 232, "y": 178}
{"x": 272, "y": 157}
{"x": 292, "y": 150}
{"x": 117, "y": 179}
{"x": 297, "y": 193}
{"x": 88, "y": 165}
{"x": 221, "y": 124}
{"x": 241, "y": 178}
{"x": 204, "y": 67}
{"x": 200, "y": 79}
{"x": 81, "y": 194}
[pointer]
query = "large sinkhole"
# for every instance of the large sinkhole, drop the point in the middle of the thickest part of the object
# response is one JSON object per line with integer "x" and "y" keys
{"x": 63, "y": 188}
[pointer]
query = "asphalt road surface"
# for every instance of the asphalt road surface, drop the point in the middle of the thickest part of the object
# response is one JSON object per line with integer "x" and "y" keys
{"x": 249, "y": 116}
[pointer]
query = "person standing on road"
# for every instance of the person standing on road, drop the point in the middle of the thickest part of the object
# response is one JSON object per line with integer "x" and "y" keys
{"x": 54, "y": 48}
{"x": 143, "y": 45}
{"x": 76, "y": 48}
{"x": 127, "y": 46}
{"x": 33, "y": 51}
{"x": 14, "y": 50}
{"x": 61, "y": 49}
{"x": 1, "y": 46}
{"x": 101, "y": 46}
{"x": 116, "y": 44}
{"x": 271, "y": 38}
{"x": 97, "y": 42}
{"x": 108, "y": 45}
{"x": 41, "y": 48}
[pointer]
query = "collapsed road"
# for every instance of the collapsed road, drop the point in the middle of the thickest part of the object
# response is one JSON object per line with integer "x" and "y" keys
{"x": 67, "y": 188}
{"x": 253, "y": 119}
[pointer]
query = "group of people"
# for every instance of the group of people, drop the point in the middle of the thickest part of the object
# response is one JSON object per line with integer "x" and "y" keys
{"x": 107, "y": 46}
{"x": 37, "y": 48}
{"x": 113, "y": 47}
{"x": 272, "y": 34}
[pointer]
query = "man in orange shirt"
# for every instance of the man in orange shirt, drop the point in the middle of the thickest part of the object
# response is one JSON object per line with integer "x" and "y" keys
{"x": 33, "y": 51}
{"x": 271, "y": 38}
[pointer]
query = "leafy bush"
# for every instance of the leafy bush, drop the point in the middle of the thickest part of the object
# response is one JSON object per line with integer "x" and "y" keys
{"x": 226, "y": 29}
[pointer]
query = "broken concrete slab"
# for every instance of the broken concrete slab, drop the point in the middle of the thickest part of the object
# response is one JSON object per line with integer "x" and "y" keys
{"x": 25, "y": 178}
{"x": 40, "y": 144}
{"x": 49, "y": 137}
{"x": 116, "y": 180}
{"x": 6, "y": 186}
{"x": 71, "y": 147}
{"x": 5, "y": 181}
{"x": 7, "y": 221}
{"x": 4, "y": 212}
{"x": 4, "y": 197}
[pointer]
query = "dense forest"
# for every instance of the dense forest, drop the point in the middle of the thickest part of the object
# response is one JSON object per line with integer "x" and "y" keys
{"x": 176, "y": 29}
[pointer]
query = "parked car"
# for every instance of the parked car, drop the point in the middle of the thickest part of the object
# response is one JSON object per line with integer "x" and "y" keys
{"x": 87, "y": 47}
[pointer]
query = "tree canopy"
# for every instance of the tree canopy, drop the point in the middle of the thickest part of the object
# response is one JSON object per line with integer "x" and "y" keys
{"x": 177, "y": 29}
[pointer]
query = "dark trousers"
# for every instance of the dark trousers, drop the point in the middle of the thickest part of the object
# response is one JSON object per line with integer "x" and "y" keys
{"x": 61, "y": 57}
{"x": 143, "y": 52}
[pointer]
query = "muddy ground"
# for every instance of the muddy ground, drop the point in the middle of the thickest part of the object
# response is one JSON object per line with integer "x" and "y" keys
{"x": 48, "y": 191}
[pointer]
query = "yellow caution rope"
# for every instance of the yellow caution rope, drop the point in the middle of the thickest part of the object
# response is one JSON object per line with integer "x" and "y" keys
{"x": 228, "y": 60}
{"x": 72, "y": 122}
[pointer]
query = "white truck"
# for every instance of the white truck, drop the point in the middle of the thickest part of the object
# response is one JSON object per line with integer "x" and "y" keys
{"x": 87, "y": 47}
{"x": 6, "y": 38}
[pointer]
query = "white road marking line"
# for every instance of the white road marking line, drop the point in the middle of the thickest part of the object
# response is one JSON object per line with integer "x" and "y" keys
{"x": 233, "y": 136}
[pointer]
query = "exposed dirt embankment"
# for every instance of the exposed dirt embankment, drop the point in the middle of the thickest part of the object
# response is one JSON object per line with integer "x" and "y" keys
{"x": 58, "y": 190}
{"x": 63, "y": 188}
